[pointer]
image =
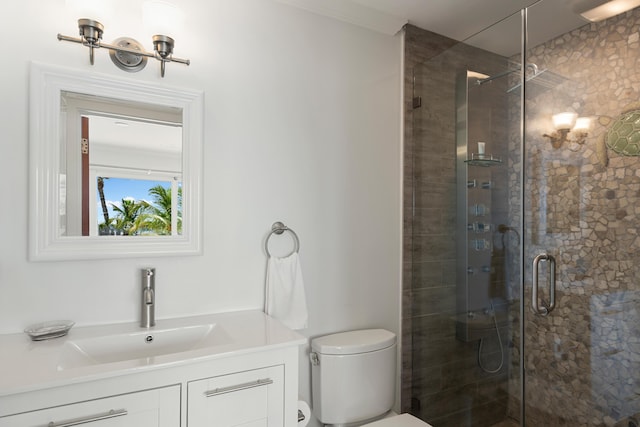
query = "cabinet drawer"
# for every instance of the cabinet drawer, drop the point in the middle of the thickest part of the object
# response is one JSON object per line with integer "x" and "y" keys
{"x": 251, "y": 398}
{"x": 150, "y": 408}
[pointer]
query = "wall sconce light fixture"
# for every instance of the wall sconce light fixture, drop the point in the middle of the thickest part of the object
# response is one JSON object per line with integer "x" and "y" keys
{"x": 126, "y": 53}
{"x": 566, "y": 123}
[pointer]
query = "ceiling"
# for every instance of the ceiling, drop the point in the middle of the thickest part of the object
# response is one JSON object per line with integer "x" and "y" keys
{"x": 121, "y": 133}
{"x": 460, "y": 19}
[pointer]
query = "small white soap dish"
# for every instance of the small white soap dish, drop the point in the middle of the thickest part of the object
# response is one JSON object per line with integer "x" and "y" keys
{"x": 48, "y": 330}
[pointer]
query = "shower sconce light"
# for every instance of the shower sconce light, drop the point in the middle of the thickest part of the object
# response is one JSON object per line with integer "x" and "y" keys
{"x": 568, "y": 123}
{"x": 126, "y": 53}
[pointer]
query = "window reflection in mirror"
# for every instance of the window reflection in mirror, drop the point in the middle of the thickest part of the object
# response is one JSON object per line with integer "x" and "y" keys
{"x": 122, "y": 168}
{"x": 137, "y": 207}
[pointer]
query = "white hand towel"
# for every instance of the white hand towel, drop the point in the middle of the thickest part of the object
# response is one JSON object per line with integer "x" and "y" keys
{"x": 285, "y": 296}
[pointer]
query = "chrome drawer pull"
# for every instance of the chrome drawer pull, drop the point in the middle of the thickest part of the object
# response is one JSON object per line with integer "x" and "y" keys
{"x": 90, "y": 419}
{"x": 238, "y": 387}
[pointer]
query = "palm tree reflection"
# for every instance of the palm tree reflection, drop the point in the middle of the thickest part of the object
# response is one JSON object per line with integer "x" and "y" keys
{"x": 141, "y": 217}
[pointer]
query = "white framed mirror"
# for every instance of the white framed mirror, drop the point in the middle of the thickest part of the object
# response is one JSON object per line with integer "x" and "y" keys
{"x": 102, "y": 149}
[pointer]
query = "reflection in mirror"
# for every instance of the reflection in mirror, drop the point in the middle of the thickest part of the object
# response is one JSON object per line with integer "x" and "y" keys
{"x": 120, "y": 171}
{"x": 109, "y": 158}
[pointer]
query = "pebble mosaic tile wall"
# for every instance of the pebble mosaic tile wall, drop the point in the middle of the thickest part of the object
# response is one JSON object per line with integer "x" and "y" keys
{"x": 582, "y": 362}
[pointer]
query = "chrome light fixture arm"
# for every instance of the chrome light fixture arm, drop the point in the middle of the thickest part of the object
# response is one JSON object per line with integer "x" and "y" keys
{"x": 130, "y": 59}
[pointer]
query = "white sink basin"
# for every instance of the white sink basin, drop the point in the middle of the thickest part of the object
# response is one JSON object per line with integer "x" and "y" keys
{"x": 140, "y": 344}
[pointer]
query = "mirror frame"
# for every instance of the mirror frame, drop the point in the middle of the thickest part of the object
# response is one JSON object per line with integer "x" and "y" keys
{"x": 46, "y": 86}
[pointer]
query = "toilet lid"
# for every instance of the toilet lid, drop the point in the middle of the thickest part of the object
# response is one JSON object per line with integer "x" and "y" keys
{"x": 354, "y": 342}
{"x": 403, "y": 420}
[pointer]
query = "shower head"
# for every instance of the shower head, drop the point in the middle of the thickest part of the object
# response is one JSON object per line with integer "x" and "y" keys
{"x": 541, "y": 81}
{"x": 531, "y": 66}
{"x": 544, "y": 78}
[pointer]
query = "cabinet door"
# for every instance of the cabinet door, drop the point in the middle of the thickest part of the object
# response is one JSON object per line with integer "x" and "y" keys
{"x": 250, "y": 399}
{"x": 150, "y": 408}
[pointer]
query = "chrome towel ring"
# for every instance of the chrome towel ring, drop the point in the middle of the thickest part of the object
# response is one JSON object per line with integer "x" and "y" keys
{"x": 279, "y": 228}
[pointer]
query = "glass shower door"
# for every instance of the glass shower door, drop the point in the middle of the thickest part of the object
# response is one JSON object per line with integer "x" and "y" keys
{"x": 581, "y": 242}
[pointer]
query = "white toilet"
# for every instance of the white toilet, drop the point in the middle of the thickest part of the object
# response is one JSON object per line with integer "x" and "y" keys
{"x": 353, "y": 377}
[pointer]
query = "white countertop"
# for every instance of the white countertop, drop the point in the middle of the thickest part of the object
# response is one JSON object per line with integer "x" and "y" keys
{"x": 27, "y": 365}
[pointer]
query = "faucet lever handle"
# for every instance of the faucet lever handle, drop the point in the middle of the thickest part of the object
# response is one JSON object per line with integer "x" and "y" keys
{"x": 148, "y": 277}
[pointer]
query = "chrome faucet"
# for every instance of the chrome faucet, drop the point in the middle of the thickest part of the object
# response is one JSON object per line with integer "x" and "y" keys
{"x": 148, "y": 298}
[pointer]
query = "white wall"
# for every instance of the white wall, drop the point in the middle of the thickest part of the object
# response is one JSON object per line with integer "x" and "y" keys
{"x": 302, "y": 125}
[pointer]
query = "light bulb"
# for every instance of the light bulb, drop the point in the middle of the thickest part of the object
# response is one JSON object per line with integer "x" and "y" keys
{"x": 564, "y": 121}
{"x": 161, "y": 17}
{"x": 97, "y": 10}
{"x": 582, "y": 124}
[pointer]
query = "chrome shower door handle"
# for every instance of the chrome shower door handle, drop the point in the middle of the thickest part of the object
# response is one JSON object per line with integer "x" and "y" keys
{"x": 544, "y": 309}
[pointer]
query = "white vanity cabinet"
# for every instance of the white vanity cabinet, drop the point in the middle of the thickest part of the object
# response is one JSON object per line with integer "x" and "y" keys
{"x": 250, "y": 399}
{"x": 244, "y": 375}
{"x": 150, "y": 408}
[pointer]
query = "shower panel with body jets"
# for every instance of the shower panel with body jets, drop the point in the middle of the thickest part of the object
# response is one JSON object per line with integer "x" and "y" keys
{"x": 481, "y": 295}
{"x": 486, "y": 250}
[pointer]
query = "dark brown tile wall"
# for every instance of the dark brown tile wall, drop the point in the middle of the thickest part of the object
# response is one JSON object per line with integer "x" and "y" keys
{"x": 420, "y": 45}
{"x": 442, "y": 382}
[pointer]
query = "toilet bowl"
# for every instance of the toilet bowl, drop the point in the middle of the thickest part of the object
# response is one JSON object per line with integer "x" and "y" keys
{"x": 353, "y": 377}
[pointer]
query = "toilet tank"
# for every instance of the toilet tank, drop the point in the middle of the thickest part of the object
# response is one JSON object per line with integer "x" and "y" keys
{"x": 353, "y": 375}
